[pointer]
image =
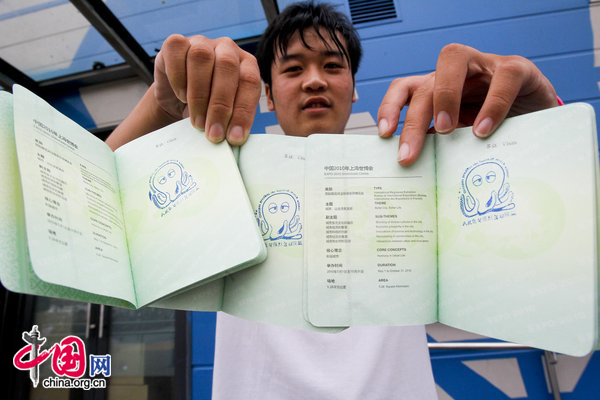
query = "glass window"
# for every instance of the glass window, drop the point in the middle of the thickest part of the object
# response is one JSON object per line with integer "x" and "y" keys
{"x": 46, "y": 39}
{"x": 56, "y": 320}
{"x": 152, "y": 21}
{"x": 142, "y": 347}
{"x": 141, "y": 344}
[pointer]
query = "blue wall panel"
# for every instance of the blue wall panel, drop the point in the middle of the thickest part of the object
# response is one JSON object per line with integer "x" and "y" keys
{"x": 203, "y": 353}
{"x": 440, "y": 15}
{"x": 588, "y": 386}
{"x": 201, "y": 383}
{"x": 203, "y": 332}
{"x": 460, "y": 382}
{"x": 536, "y": 36}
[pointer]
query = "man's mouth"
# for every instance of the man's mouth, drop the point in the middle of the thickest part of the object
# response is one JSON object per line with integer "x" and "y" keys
{"x": 316, "y": 103}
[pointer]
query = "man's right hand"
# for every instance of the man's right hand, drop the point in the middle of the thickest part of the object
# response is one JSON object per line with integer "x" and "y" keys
{"x": 213, "y": 81}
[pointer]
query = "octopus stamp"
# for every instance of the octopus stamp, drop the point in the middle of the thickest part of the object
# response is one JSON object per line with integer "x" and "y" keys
{"x": 168, "y": 183}
{"x": 278, "y": 216}
{"x": 485, "y": 189}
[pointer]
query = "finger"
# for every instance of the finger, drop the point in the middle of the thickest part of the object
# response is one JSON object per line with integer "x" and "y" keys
{"x": 174, "y": 51}
{"x": 506, "y": 83}
{"x": 451, "y": 71}
{"x": 246, "y": 100}
{"x": 396, "y": 97}
{"x": 163, "y": 90}
{"x": 226, "y": 72}
{"x": 199, "y": 64}
{"x": 418, "y": 119}
{"x": 389, "y": 111}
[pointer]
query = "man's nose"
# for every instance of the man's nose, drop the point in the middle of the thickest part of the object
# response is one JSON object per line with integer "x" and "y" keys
{"x": 315, "y": 80}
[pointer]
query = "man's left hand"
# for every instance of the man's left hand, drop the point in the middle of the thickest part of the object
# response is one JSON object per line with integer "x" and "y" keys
{"x": 468, "y": 87}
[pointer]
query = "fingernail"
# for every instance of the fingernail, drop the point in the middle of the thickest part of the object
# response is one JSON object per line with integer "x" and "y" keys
{"x": 383, "y": 127}
{"x": 182, "y": 96}
{"x": 443, "y": 122}
{"x": 236, "y": 135}
{"x": 404, "y": 152}
{"x": 215, "y": 133}
{"x": 484, "y": 128}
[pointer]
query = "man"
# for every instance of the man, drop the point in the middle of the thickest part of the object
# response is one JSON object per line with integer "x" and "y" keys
{"x": 308, "y": 58}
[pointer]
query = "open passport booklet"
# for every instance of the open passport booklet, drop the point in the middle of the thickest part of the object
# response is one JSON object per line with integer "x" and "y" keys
{"x": 497, "y": 236}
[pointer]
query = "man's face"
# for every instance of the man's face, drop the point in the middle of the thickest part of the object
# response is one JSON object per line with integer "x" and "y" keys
{"x": 311, "y": 90}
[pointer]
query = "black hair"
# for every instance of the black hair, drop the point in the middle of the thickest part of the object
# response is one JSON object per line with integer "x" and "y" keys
{"x": 299, "y": 17}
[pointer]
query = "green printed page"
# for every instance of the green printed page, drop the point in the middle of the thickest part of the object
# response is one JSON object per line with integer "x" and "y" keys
{"x": 74, "y": 226}
{"x": 272, "y": 168}
{"x": 370, "y": 233}
{"x": 518, "y": 230}
{"x": 187, "y": 215}
{"x": 16, "y": 272}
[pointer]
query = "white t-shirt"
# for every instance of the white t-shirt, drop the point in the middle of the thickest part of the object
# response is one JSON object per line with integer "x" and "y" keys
{"x": 260, "y": 361}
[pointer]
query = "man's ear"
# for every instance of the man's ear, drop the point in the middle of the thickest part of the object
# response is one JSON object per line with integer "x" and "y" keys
{"x": 354, "y": 96}
{"x": 270, "y": 102}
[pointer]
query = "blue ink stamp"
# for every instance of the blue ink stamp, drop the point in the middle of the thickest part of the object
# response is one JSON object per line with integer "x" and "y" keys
{"x": 485, "y": 189}
{"x": 278, "y": 216}
{"x": 169, "y": 182}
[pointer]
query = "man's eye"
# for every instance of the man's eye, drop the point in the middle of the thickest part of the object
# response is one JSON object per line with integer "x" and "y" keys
{"x": 333, "y": 65}
{"x": 294, "y": 68}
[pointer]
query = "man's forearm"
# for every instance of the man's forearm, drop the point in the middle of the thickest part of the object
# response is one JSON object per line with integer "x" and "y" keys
{"x": 147, "y": 116}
